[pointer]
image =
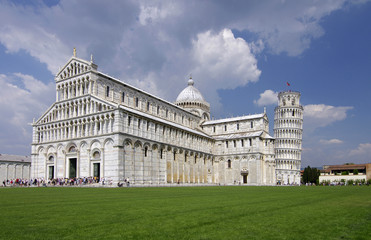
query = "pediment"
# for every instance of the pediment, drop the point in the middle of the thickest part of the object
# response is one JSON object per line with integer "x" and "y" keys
{"x": 55, "y": 111}
{"x": 75, "y": 66}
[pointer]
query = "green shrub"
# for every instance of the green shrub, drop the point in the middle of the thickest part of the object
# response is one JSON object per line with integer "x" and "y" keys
{"x": 355, "y": 172}
{"x": 350, "y": 182}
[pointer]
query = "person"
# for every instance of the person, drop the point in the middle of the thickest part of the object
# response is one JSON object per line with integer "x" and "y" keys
{"x": 4, "y": 183}
{"x": 127, "y": 182}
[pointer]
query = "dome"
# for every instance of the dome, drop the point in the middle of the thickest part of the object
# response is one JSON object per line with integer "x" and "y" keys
{"x": 192, "y": 100}
{"x": 190, "y": 94}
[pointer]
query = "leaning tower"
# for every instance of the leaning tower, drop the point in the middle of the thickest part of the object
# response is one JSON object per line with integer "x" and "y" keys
{"x": 288, "y": 132}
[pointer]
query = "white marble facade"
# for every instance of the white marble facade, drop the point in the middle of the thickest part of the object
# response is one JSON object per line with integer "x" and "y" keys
{"x": 14, "y": 167}
{"x": 102, "y": 127}
{"x": 288, "y": 133}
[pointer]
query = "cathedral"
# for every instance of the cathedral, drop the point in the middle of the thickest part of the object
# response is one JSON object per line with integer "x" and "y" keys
{"x": 102, "y": 127}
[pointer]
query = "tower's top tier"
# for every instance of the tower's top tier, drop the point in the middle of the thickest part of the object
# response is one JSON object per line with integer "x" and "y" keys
{"x": 289, "y": 99}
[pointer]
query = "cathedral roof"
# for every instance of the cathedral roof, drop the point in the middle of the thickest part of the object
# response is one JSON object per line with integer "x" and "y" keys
{"x": 244, "y": 135}
{"x": 14, "y": 158}
{"x": 157, "y": 119}
{"x": 190, "y": 94}
{"x": 235, "y": 119}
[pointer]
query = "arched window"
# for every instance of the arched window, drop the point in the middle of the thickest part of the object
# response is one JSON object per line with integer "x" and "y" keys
{"x": 72, "y": 149}
{"x": 145, "y": 151}
{"x": 123, "y": 97}
{"x": 107, "y": 91}
{"x": 229, "y": 163}
{"x": 51, "y": 158}
{"x": 96, "y": 155}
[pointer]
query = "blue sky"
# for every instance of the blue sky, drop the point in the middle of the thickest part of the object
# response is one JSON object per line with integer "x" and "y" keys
{"x": 239, "y": 53}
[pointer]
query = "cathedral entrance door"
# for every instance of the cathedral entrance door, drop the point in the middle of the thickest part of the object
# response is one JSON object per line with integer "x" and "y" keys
{"x": 244, "y": 178}
{"x": 96, "y": 169}
{"x": 51, "y": 172}
{"x": 72, "y": 168}
{"x": 244, "y": 173}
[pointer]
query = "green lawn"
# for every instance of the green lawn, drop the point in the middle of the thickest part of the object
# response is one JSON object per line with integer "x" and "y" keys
{"x": 186, "y": 213}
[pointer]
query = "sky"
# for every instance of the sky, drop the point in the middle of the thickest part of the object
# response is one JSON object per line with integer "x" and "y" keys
{"x": 240, "y": 55}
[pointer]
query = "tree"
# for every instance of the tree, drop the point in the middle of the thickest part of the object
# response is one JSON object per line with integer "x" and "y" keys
{"x": 311, "y": 175}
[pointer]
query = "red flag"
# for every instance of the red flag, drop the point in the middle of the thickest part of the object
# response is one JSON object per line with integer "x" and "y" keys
{"x": 288, "y": 84}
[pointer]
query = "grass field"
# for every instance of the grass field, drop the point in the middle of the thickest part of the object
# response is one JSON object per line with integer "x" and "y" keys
{"x": 186, "y": 213}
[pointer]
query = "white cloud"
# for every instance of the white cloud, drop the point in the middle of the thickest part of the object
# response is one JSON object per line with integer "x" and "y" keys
{"x": 163, "y": 29}
{"x": 223, "y": 57}
{"x": 22, "y": 98}
{"x": 222, "y": 62}
{"x": 257, "y": 46}
{"x": 135, "y": 39}
{"x": 325, "y": 152}
{"x": 363, "y": 149}
{"x": 45, "y": 47}
{"x": 151, "y": 12}
{"x": 288, "y": 26}
{"x": 155, "y": 45}
{"x": 331, "y": 141}
{"x": 22, "y": 32}
{"x": 268, "y": 97}
{"x": 321, "y": 115}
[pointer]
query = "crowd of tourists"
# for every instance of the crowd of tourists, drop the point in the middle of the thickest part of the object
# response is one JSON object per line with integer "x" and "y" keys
{"x": 41, "y": 182}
